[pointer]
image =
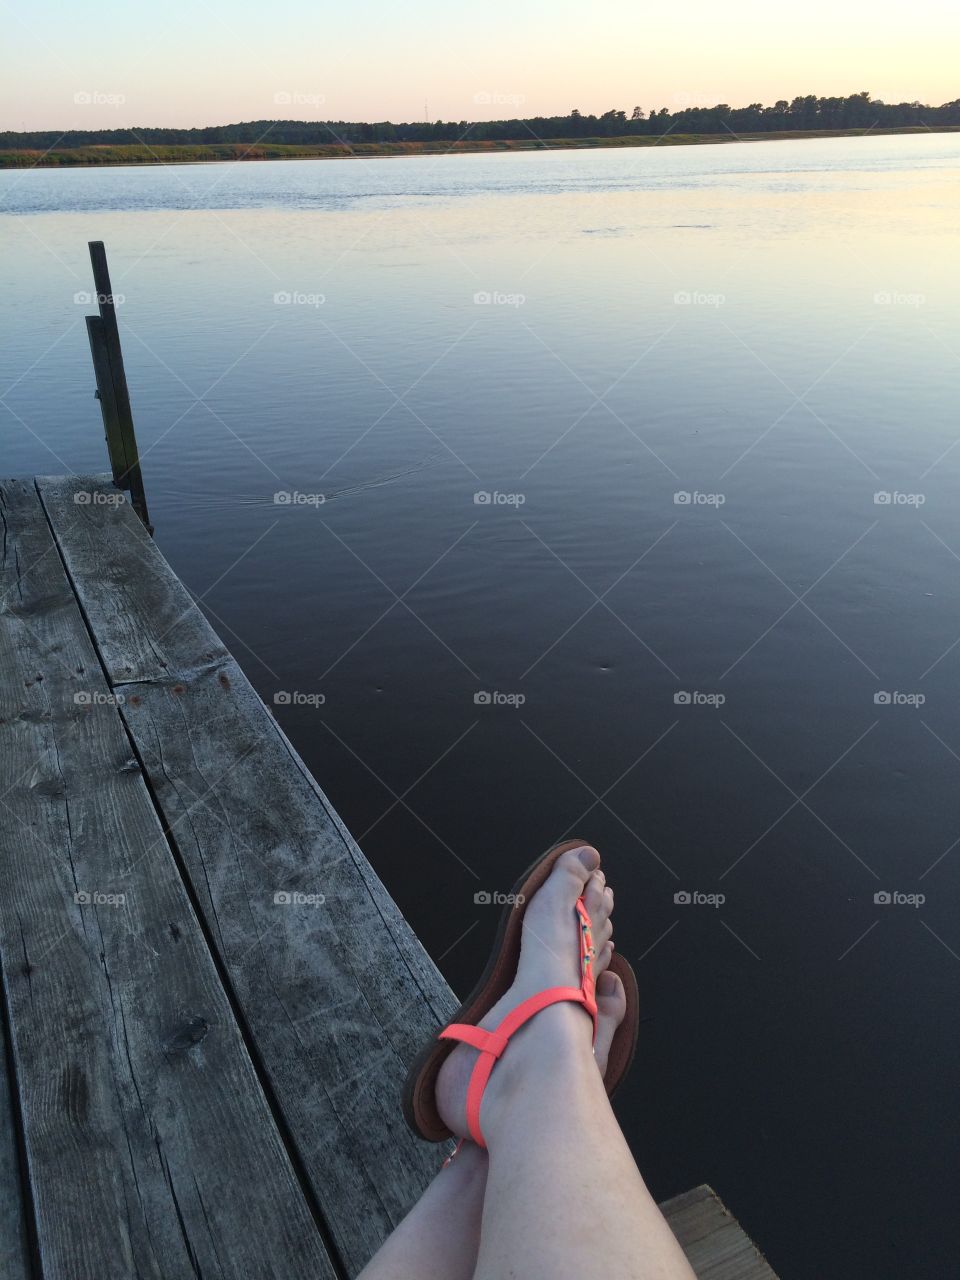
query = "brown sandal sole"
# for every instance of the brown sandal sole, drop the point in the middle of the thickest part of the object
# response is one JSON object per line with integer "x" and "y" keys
{"x": 419, "y": 1097}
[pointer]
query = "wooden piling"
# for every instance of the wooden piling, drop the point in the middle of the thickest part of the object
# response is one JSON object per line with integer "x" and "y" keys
{"x": 112, "y": 392}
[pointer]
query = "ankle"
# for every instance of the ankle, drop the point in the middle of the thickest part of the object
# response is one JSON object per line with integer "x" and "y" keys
{"x": 544, "y": 1061}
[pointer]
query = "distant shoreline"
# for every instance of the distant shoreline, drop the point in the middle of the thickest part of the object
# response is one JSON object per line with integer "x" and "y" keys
{"x": 107, "y": 155}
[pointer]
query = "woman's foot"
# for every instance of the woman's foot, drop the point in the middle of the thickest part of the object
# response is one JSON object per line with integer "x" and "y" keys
{"x": 549, "y": 957}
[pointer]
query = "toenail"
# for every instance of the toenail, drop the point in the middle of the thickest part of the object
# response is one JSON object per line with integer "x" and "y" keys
{"x": 588, "y": 856}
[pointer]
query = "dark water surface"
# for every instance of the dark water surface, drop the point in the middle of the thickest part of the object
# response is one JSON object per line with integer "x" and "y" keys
{"x": 774, "y": 325}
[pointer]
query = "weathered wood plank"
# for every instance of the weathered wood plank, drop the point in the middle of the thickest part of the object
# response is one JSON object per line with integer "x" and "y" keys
{"x": 338, "y": 996}
{"x": 14, "y": 1247}
{"x": 146, "y": 625}
{"x": 151, "y": 1149}
{"x": 716, "y": 1245}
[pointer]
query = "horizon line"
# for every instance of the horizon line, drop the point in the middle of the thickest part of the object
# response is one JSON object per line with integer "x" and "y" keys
{"x": 677, "y": 108}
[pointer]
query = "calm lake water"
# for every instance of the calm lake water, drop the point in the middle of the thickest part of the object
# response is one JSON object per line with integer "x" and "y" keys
{"x": 752, "y": 693}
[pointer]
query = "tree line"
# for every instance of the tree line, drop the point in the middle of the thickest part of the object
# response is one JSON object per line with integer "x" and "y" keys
{"x": 855, "y": 111}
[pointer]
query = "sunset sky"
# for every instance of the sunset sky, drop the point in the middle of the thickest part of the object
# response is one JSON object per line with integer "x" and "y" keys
{"x": 196, "y": 62}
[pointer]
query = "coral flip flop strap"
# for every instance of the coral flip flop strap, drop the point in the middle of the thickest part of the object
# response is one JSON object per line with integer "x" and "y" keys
{"x": 491, "y": 1044}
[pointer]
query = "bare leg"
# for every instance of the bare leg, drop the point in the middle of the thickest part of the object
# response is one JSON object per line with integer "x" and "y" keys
{"x": 440, "y": 1236}
{"x": 564, "y": 1198}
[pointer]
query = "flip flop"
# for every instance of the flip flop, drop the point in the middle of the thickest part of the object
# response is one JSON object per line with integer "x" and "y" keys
{"x": 419, "y": 1097}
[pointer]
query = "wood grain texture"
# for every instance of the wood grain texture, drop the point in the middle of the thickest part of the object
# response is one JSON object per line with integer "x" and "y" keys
{"x": 716, "y": 1245}
{"x": 338, "y": 994}
{"x": 14, "y": 1249}
{"x": 145, "y": 628}
{"x": 150, "y": 1146}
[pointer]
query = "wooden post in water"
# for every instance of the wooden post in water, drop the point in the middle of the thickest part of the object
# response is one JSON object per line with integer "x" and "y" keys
{"x": 112, "y": 392}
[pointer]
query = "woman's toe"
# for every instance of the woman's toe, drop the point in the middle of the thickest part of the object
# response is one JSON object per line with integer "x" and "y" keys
{"x": 593, "y": 896}
{"x": 603, "y": 957}
{"x": 574, "y": 870}
{"x": 611, "y": 1010}
{"x": 602, "y": 933}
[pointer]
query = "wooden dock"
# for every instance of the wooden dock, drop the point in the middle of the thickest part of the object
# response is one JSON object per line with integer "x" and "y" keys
{"x": 209, "y": 999}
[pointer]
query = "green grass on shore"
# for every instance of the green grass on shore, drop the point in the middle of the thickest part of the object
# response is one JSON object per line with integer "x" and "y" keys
{"x": 233, "y": 151}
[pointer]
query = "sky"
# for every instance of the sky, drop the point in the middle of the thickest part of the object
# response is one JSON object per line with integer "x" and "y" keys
{"x": 197, "y": 62}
